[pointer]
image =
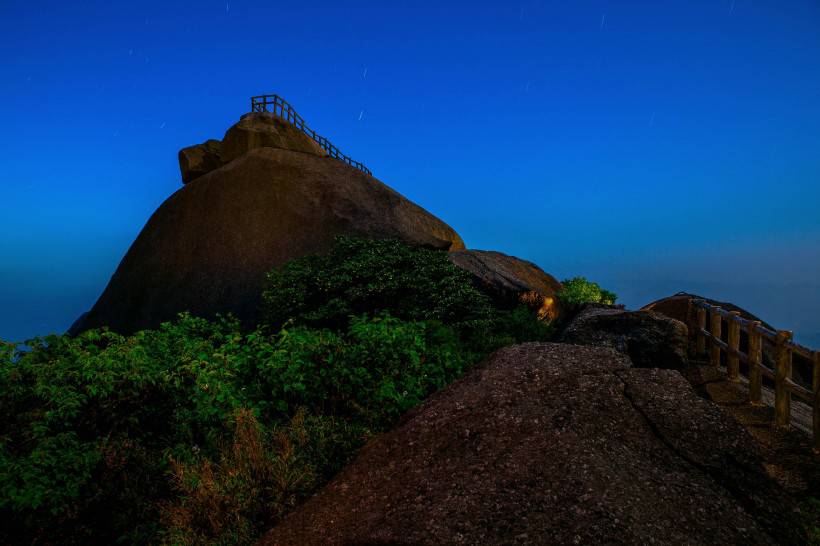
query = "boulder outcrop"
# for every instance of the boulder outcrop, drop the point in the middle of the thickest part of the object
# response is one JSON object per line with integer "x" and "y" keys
{"x": 253, "y": 130}
{"x": 676, "y": 307}
{"x": 265, "y": 130}
{"x": 207, "y": 248}
{"x": 553, "y": 444}
{"x": 194, "y": 161}
{"x": 651, "y": 340}
{"x": 511, "y": 280}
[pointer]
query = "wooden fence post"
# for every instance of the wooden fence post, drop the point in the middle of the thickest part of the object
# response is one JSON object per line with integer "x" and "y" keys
{"x": 714, "y": 358}
{"x": 701, "y": 339}
{"x": 783, "y": 371}
{"x": 755, "y": 361}
{"x": 691, "y": 323}
{"x": 733, "y": 360}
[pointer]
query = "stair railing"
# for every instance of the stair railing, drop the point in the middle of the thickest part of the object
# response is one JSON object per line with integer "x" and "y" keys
{"x": 280, "y": 108}
{"x": 706, "y": 323}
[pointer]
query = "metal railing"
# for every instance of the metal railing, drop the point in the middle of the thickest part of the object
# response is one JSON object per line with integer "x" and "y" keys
{"x": 280, "y": 108}
{"x": 778, "y": 345}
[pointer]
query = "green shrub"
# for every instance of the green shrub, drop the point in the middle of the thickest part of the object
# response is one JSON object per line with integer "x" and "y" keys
{"x": 373, "y": 372}
{"x": 578, "y": 290}
{"x": 86, "y": 423}
{"x": 362, "y": 276}
{"x": 90, "y": 425}
{"x": 199, "y": 432}
{"x": 258, "y": 477}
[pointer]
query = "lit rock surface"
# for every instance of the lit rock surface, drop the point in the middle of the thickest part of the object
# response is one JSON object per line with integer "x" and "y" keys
{"x": 511, "y": 280}
{"x": 264, "y": 130}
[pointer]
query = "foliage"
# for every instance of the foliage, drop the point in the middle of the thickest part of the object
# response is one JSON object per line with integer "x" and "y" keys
{"x": 90, "y": 426}
{"x": 199, "y": 432}
{"x": 258, "y": 477}
{"x": 579, "y": 290}
{"x": 364, "y": 276}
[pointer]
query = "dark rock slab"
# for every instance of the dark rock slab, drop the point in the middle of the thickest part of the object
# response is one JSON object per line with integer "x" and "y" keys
{"x": 652, "y": 340}
{"x": 553, "y": 444}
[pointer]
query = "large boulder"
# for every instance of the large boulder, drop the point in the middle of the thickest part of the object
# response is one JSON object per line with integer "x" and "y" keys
{"x": 553, "y": 444}
{"x": 511, "y": 280}
{"x": 677, "y": 307}
{"x": 650, "y": 339}
{"x": 253, "y": 130}
{"x": 207, "y": 248}
{"x": 263, "y": 129}
{"x": 194, "y": 161}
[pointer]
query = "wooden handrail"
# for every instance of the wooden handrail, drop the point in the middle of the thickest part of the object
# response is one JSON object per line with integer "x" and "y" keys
{"x": 784, "y": 349}
{"x": 277, "y": 106}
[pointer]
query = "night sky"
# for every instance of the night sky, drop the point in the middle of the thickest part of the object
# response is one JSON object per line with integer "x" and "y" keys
{"x": 652, "y": 146}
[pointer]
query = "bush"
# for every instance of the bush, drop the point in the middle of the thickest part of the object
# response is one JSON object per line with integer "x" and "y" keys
{"x": 199, "y": 432}
{"x": 361, "y": 276}
{"x": 91, "y": 427}
{"x": 365, "y": 276}
{"x": 578, "y": 290}
{"x": 259, "y": 476}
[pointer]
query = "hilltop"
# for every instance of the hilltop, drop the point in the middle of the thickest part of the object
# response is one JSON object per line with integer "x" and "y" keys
{"x": 293, "y": 352}
{"x": 271, "y": 195}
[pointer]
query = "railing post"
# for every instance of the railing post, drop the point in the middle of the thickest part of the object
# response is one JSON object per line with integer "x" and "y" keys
{"x": 691, "y": 319}
{"x": 733, "y": 360}
{"x": 755, "y": 361}
{"x": 701, "y": 339}
{"x": 282, "y": 110}
{"x": 717, "y": 319}
{"x": 815, "y": 387}
{"x": 783, "y": 371}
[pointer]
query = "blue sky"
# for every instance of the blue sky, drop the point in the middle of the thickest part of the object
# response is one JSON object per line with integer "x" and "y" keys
{"x": 652, "y": 146}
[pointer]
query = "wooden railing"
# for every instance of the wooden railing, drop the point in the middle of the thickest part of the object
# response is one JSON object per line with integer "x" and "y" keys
{"x": 706, "y": 322}
{"x": 280, "y": 108}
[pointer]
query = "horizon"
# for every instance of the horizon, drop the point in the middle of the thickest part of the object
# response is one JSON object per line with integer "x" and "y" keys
{"x": 652, "y": 149}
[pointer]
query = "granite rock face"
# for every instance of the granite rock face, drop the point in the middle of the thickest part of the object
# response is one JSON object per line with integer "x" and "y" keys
{"x": 676, "y": 307}
{"x": 207, "y": 248}
{"x": 511, "y": 280}
{"x": 553, "y": 444}
{"x": 195, "y": 161}
{"x": 264, "y": 130}
{"x": 253, "y": 130}
{"x": 651, "y": 340}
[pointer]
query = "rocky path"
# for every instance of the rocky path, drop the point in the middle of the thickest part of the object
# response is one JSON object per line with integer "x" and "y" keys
{"x": 547, "y": 443}
{"x": 787, "y": 452}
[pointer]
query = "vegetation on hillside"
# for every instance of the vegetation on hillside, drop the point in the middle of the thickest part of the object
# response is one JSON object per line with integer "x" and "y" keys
{"x": 579, "y": 290}
{"x": 370, "y": 277}
{"x": 200, "y": 432}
